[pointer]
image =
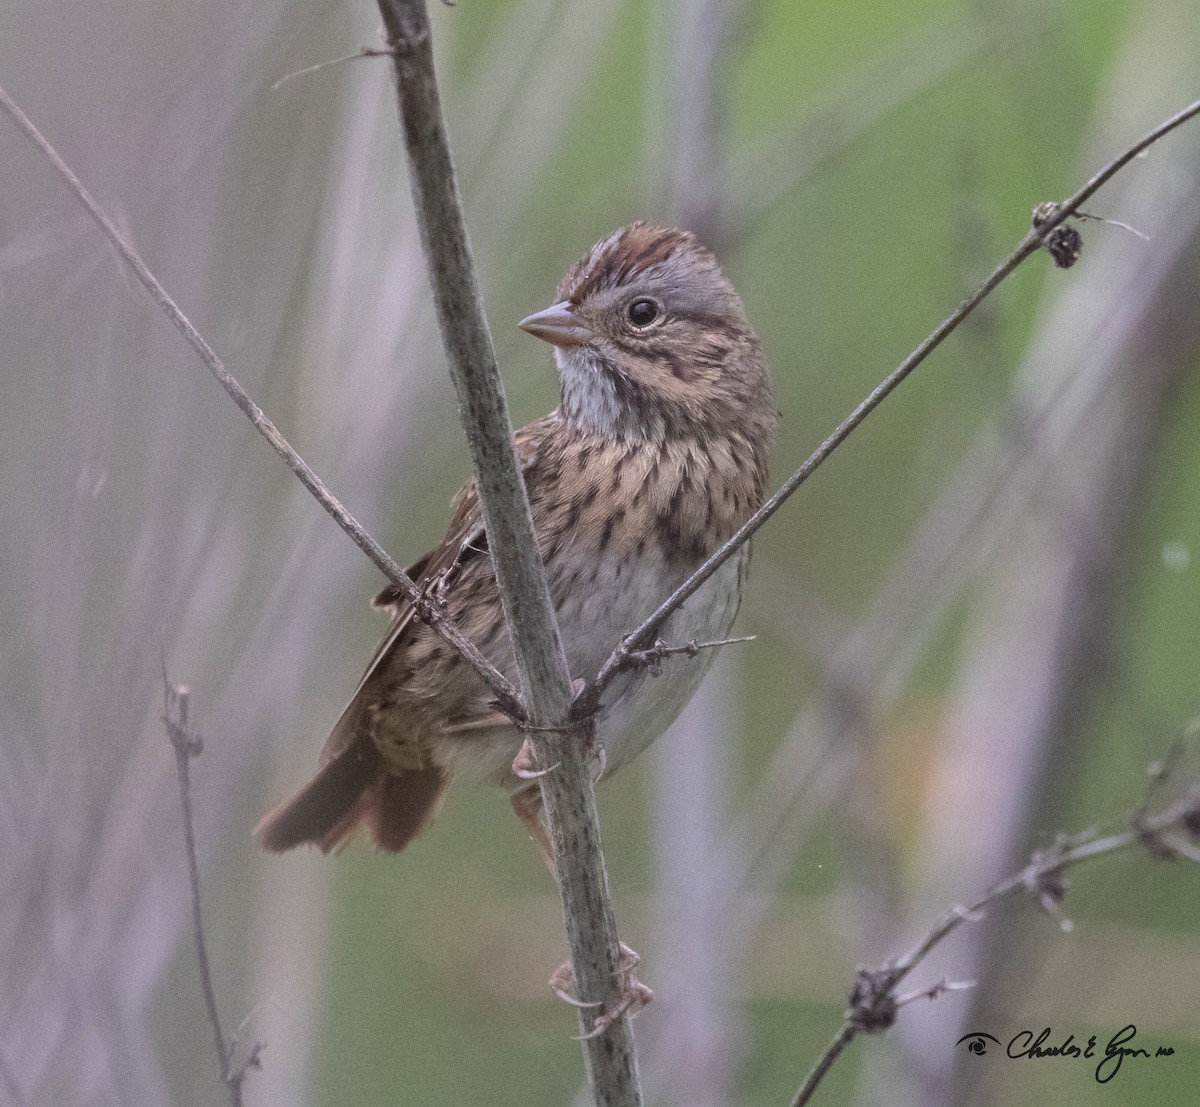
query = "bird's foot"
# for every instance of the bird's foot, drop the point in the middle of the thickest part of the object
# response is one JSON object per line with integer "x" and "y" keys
{"x": 633, "y": 998}
{"x": 525, "y": 765}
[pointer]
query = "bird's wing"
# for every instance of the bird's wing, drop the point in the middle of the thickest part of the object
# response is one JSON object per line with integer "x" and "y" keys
{"x": 465, "y": 538}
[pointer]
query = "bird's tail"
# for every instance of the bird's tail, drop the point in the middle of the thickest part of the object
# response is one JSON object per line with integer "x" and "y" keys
{"x": 356, "y": 788}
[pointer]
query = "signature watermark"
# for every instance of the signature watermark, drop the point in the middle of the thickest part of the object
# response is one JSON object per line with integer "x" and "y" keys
{"x": 1109, "y": 1057}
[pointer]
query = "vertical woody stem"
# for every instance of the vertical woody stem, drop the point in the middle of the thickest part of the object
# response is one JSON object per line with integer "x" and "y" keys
{"x": 545, "y": 681}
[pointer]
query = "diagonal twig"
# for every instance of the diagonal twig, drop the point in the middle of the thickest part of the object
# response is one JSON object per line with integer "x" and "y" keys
{"x": 1048, "y": 221}
{"x": 873, "y": 1002}
{"x": 426, "y": 610}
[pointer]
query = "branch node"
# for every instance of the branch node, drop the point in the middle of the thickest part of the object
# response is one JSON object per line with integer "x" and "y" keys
{"x": 236, "y": 1076}
{"x": 174, "y": 716}
{"x": 873, "y": 1003}
{"x": 1043, "y": 877}
{"x": 653, "y": 657}
{"x": 1063, "y": 243}
{"x": 587, "y": 701}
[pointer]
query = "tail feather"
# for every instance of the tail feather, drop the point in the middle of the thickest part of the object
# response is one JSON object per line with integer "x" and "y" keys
{"x": 405, "y": 807}
{"x": 355, "y": 788}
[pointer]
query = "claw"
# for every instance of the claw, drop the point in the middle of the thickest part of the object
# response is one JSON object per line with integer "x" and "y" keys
{"x": 582, "y": 1004}
{"x": 562, "y": 980}
{"x": 524, "y": 766}
{"x": 601, "y": 755}
{"x": 634, "y": 994}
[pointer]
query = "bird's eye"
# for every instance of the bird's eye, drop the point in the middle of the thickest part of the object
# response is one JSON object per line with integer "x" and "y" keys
{"x": 642, "y": 312}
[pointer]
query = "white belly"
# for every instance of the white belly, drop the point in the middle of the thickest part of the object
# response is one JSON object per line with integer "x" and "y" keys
{"x": 638, "y": 706}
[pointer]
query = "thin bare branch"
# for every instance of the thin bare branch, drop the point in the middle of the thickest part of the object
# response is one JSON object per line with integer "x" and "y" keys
{"x": 653, "y": 657}
{"x": 589, "y": 699}
{"x": 567, "y": 792}
{"x": 935, "y": 991}
{"x": 187, "y": 744}
{"x": 873, "y": 1001}
{"x": 426, "y": 610}
{"x": 996, "y": 483}
{"x": 308, "y": 70}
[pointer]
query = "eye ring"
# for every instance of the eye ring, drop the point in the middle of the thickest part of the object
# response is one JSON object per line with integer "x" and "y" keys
{"x": 642, "y": 312}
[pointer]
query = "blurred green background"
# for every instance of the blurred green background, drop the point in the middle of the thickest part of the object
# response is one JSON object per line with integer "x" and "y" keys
{"x": 977, "y": 626}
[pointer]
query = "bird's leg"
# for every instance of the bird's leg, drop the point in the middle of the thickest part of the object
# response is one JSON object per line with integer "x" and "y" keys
{"x": 635, "y": 995}
{"x": 527, "y": 803}
{"x": 528, "y": 806}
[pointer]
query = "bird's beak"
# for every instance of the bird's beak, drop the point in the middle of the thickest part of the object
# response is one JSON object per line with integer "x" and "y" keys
{"x": 558, "y": 325}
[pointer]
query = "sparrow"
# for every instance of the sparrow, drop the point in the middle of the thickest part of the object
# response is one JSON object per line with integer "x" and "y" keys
{"x": 655, "y": 455}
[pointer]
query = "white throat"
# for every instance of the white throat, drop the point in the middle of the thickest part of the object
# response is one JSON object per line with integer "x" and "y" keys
{"x": 590, "y": 399}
